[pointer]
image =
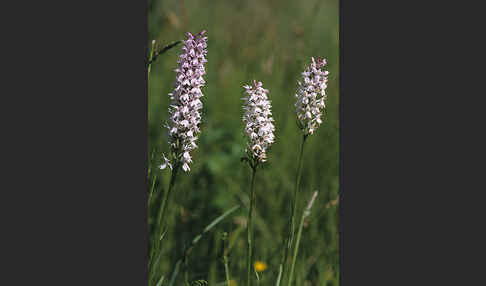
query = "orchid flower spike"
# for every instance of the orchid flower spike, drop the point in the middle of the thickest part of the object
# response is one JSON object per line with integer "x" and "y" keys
{"x": 258, "y": 122}
{"x": 185, "y": 106}
{"x": 311, "y": 96}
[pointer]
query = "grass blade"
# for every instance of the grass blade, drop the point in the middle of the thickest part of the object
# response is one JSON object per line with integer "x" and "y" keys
{"x": 165, "y": 49}
{"x": 160, "y": 281}
{"x": 187, "y": 251}
{"x": 305, "y": 214}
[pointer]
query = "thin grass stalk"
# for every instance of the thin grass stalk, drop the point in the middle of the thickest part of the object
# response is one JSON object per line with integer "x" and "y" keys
{"x": 186, "y": 271}
{"x": 188, "y": 250}
{"x": 158, "y": 53}
{"x": 226, "y": 269}
{"x": 250, "y": 224}
{"x": 279, "y": 277}
{"x": 290, "y": 237}
{"x": 150, "y": 164}
{"x": 152, "y": 189}
{"x": 161, "y": 219}
{"x": 174, "y": 274}
{"x": 281, "y": 267}
{"x": 160, "y": 281}
{"x": 150, "y": 60}
{"x": 165, "y": 202}
{"x": 296, "y": 188}
{"x": 225, "y": 258}
{"x": 305, "y": 214}
{"x": 296, "y": 249}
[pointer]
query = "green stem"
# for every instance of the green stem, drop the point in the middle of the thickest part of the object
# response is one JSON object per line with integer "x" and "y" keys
{"x": 279, "y": 277}
{"x": 296, "y": 250}
{"x": 294, "y": 207}
{"x": 250, "y": 225}
{"x": 161, "y": 220}
{"x": 186, "y": 272}
{"x": 157, "y": 54}
{"x": 305, "y": 214}
{"x": 225, "y": 259}
{"x": 187, "y": 251}
{"x": 165, "y": 202}
{"x": 152, "y": 189}
{"x": 226, "y": 270}
{"x": 150, "y": 60}
{"x": 297, "y": 185}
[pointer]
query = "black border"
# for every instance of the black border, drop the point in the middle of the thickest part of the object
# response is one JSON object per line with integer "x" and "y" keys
{"x": 79, "y": 145}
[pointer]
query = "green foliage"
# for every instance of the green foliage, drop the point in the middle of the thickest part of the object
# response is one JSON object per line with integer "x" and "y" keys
{"x": 270, "y": 41}
{"x": 199, "y": 283}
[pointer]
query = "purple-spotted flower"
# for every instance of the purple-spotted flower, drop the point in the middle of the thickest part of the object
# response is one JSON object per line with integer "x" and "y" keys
{"x": 311, "y": 96}
{"x": 258, "y": 121}
{"x": 185, "y": 106}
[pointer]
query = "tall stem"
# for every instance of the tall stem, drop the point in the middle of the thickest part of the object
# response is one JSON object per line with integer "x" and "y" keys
{"x": 296, "y": 250}
{"x": 226, "y": 270}
{"x": 225, "y": 258}
{"x": 297, "y": 185}
{"x": 161, "y": 219}
{"x": 150, "y": 60}
{"x": 165, "y": 202}
{"x": 305, "y": 214}
{"x": 294, "y": 207}
{"x": 250, "y": 225}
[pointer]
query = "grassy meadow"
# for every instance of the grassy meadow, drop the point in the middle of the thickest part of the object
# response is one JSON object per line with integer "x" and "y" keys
{"x": 270, "y": 41}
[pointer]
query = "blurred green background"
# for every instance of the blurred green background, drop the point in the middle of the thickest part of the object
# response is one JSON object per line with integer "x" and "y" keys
{"x": 270, "y": 41}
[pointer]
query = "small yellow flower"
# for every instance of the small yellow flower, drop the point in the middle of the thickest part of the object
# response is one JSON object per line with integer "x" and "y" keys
{"x": 260, "y": 266}
{"x": 232, "y": 283}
